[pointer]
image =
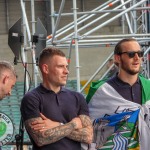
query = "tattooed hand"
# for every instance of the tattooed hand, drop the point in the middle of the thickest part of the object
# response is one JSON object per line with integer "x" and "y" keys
{"x": 44, "y": 124}
{"x": 77, "y": 123}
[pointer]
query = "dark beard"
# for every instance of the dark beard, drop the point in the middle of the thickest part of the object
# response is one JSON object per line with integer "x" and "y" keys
{"x": 131, "y": 72}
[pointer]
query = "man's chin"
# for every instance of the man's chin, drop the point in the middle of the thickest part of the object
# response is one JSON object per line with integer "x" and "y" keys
{"x": 133, "y": 72}
{"x": 63, "y": 83}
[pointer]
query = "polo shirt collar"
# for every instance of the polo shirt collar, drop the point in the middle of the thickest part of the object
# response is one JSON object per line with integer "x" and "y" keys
{"x": 43, "y": 90}
{"x": 122, "y": 83}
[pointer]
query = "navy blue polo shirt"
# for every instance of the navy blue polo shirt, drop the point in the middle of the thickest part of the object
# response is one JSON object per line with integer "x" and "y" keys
{"x": 132, "y": 93}
{"x": 60, "y": 107}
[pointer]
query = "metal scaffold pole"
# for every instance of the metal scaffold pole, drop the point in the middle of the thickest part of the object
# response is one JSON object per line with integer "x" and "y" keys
{"x": 36, "y": 73}
{"x": 33, "y": 46}
{"x": 58, "y": 20}
{"x": 25, "y": 31}
{"x": 52, "y": 14}
{"x": 76, "y": 45}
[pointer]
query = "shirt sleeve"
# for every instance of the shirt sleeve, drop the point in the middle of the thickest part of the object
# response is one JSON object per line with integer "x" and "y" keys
{"x": 83, "y": 106}
{"x": 30, "y": 107}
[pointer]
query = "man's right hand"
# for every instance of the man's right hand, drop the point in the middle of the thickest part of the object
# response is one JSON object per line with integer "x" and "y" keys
{"x": 44, "y": 124}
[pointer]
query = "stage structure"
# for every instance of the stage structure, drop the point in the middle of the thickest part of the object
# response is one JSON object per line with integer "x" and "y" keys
{"x": 134, "y": 14}
{"x": 135, "y": 22}
{"x": 134, "y": 18}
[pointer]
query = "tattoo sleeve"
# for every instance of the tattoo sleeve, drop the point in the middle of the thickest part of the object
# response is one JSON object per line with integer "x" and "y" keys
{"x": 85, "y": 134}
{"x": 50, "y": 135}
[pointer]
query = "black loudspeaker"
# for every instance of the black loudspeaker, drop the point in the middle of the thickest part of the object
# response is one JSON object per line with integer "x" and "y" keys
{"x": 15, "y": 38}
{"x": 41, "y": 35}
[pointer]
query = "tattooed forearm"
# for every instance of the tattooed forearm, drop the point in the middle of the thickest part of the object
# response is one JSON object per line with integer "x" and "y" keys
{"x": 86, "y": 133}
{"x": 50, "y": 135}
{"x": 86, "y": 121}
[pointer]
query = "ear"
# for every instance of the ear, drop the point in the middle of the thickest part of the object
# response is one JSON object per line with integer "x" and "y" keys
{"x": 117, "y": 59}
{"x": 45, "y": 68}
{"x": 5, "y": 79}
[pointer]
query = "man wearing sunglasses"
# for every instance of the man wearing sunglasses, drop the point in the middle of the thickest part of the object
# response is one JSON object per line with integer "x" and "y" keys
{"x": 119, "y": 106}
{"x": 128, "y": 55}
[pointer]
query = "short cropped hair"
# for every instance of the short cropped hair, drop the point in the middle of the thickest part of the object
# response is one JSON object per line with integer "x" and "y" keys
{"x": 118, "y": 47}
{"x": 5, "y": 65}
{"x": 48, "y": 53}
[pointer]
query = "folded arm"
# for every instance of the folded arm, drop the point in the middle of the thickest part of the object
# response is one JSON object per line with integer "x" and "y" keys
{"x": 85, "y": 134}
{"x": 53, "y": 134}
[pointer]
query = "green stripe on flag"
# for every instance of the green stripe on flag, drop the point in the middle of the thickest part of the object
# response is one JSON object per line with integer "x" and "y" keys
{"x": 93, "y": 88}
{"x": 145, "y": 89}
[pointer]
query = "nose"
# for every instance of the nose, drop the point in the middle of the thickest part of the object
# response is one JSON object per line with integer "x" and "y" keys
{"x": 136, "y": 56}
{"x": 66, "y": 70}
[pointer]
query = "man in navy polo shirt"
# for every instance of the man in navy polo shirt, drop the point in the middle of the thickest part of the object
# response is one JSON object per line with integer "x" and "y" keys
{"x": 55, "y": 117}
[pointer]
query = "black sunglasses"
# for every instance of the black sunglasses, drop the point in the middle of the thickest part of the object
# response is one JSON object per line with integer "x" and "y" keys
{"x": 131, "y": 54}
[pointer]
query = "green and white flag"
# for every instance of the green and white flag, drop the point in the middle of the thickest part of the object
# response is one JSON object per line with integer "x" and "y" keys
{"x": 119, "y": 124}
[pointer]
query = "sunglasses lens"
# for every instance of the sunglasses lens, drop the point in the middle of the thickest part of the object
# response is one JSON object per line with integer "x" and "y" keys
{"x": 132, "y": 54}
{"x": 140, "y": 54}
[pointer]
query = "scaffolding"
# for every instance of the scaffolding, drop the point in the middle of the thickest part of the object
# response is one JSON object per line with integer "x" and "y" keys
{"x": 134, "y": 17}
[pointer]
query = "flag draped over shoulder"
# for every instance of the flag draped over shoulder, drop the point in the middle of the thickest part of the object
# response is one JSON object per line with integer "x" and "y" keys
{"x": 119, "y": 124}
